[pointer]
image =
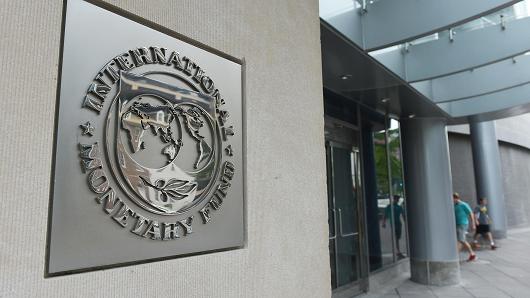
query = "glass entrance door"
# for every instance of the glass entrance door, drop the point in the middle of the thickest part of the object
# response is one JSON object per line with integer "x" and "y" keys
{"x": 344, "y": 209}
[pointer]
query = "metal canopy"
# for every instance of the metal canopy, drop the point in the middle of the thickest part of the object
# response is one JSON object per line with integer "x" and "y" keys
{"x": 468, "y": 50}
{"x": 380, "y": 24}
{"x": 499, "y": 76}
{"x": 349, "y": 71}
{"x": 392, "y": 22}
{"x": 482, "y": 72}
{"x": 497, "y": 101}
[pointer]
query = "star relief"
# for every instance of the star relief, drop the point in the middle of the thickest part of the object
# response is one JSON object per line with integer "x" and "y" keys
{"x": 87, "y": 128}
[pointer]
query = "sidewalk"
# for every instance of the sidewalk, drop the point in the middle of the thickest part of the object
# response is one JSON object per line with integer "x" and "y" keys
{"x": 502, "y": 273}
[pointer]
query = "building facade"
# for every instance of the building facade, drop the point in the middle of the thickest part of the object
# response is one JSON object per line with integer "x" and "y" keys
{"x": 350, "y": 153}
{"x": 513, "y": 149}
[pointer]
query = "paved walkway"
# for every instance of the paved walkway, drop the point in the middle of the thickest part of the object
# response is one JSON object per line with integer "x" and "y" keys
{"x": 502, "y": 273}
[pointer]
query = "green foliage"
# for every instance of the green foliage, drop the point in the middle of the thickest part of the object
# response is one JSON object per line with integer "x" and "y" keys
{"x": 394, "y": 146}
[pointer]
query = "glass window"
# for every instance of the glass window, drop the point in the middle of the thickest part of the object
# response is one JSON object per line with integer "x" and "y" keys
{"x": 398, "y": 189}
{"x": 384, "y": 194}
{"x": 383, "y": 198}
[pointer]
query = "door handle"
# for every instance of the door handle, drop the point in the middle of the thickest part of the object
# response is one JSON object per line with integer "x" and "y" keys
{"x": 331, "y": 237}
{"x": 340, "y": 227}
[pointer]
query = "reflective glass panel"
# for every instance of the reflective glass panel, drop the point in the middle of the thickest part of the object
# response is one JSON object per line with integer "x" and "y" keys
{"x": 384, "y": 213}
{"x": 344, "y": 195}
{"x": 517, "y": 11}
{"x": 397, "y": 184}
{"x": 345, "y": 208}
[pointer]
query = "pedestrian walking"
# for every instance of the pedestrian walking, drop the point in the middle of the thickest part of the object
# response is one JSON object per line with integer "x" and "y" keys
{"x": 483, "y": 222}
{"x": 463, "y": 216}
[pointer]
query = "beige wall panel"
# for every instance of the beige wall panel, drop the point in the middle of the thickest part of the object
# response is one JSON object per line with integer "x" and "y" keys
{"x": 286, "y": 254}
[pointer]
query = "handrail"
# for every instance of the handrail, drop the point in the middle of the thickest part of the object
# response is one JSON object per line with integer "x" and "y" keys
{"x": 340, "y": 227}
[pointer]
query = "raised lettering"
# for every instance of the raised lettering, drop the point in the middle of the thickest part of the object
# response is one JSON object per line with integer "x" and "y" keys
{"x": 123, "y": 62}
{"x": 189, "y": 65}
{"x": 223, "y": 116}
{"x": 154, "y": 231}
{"x": 223, "y": 187}
{"x": 142, "y": 226}
{"x": 197, "y": 77}
{"x": 227, "y": 131}
{"x": 218, "y": 100}
{"x": 100, "y": 91}
{"x": 174, "y": 59}
{"x": 122, "y": 215}
{"x": 92, "y": 103}
{"x": 228, "y": 174}
{"x": 90, "y": 164}
{"x": 141, "y": 56}
{"x": 216, "y": 204}
{"x": 111, "y": 72}
{"x": 207, "y": 84}
{"x": 228, "y": 170}
{"x": 159, "y": 55}
{"x": 110, "y": 201}
{"x": 186, "y": 224}
{"x": 89, "y": 157}
{"x": 205, "y": 214}
{"x": 99, "y": 78}
{"x": 98, "y": 182}
{"x": 170, "y": 231}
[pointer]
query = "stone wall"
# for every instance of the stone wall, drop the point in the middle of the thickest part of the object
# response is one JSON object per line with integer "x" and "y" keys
{"x": 515, "y": 165}
{"x": 287, "y": 243}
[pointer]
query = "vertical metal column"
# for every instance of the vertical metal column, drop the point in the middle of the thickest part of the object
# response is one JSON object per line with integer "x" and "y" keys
{"x": 370, "y": 198}
{"x": 390, "y": 190}
{"x": 488, "y": 178}
{"x": 432, "y": 234}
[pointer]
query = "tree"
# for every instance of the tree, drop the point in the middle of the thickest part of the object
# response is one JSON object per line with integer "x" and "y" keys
{"x": 394, "y": 146}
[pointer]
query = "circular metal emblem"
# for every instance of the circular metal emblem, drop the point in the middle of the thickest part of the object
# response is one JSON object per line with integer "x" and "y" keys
{"x": 162, "y": 140}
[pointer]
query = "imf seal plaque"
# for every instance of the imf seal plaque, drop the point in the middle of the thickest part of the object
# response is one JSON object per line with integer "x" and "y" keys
{"x": 149, "y": 150}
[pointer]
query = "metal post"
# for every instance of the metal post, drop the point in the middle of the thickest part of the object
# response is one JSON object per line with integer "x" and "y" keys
{"x": 390, "y": 190}
{"x": 488, "y": 178}
{"x": 432, "y": 234}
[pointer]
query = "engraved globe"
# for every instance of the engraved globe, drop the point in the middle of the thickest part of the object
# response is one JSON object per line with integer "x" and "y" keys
{"x": 165, "y": 141}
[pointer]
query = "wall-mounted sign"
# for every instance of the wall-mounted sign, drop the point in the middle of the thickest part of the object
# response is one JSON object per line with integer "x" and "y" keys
{"x": 148, "y": 148}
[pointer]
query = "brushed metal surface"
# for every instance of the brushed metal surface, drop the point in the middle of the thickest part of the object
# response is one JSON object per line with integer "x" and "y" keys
{"x": 98, "y": 220}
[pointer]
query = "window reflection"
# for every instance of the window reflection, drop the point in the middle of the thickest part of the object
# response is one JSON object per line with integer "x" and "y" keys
{"x": 398, "y": 189}
{"x": 385, "y": 202}
{"x": 383, "y": 197}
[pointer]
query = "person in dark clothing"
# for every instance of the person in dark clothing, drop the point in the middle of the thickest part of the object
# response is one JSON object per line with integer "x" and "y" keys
{"x": 483, "y": 222}
{"x": 396, "y": 224}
